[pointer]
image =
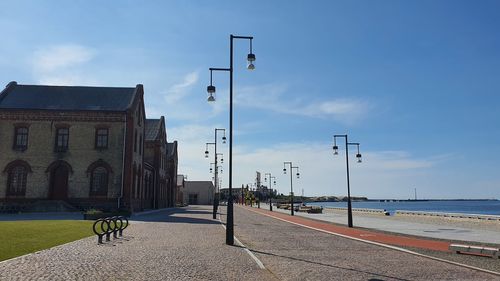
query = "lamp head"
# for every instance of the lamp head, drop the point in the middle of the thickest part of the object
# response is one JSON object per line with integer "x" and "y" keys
{"x": 206, "y": 153}
{"x": 224, "y": 139}
{"x": 222, "y": 160}
{"x": 251, "y": 60}
{"x": 359, "y": 157}
{"x": 211, "y": 89}
{"x": 298, "y": 175}
{"x": 211, "y": 169}
{"x": 274, "y": 182}
{"x": 335, "y": 150}
{"x": 284, "y": 171}
{"x": 211, "y": 93}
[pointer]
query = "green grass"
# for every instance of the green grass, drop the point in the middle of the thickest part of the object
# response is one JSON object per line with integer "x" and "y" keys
{"x": 22, "y": 237}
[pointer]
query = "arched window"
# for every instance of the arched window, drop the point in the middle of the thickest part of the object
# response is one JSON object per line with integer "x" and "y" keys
{"x": 17, "y": 175}
{"x": 100, "y": 172}
{"x": 17, "y": 181}
{"x": 99, "y": 182}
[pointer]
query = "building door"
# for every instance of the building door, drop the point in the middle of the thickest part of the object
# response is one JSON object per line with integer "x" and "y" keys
{"x": 59, "y": 183}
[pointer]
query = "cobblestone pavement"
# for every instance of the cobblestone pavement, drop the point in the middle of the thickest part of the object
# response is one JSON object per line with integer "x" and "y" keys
{"x": 292, "y": 252}
{"x": 178, "y": 244}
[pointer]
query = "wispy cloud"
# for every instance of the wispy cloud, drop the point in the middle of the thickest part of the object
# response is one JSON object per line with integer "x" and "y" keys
{"x": 63, "y": 56}
{"x": 276, "y": 97}
{"x": 386, "y": 174}
{"x": 181, "y": 90}
{"x": 62, "y": 64}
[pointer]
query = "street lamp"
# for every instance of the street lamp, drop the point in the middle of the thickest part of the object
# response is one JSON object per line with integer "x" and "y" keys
{"x": 211, "y": 98}
{"x": 270, "y": 189}
{"x": 291, "y": 181}
{"x": 216, "y": 182}
{"x": 358, "y": 156}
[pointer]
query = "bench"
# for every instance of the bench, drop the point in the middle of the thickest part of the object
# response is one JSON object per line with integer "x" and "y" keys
{"x": 475, "y": 250}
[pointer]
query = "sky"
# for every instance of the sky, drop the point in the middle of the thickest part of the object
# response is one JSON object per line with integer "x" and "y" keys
{"x": 416, "y": 83}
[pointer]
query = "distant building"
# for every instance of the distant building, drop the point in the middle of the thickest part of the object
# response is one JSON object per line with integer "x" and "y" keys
{"x": 162, "y": 155}
{"x": 172, "y": 168}
{"x": 180, "y": 189}
{"x": 237, "y": 191}
{"x": 81, "y": 145}
{"x": 198, "y": 192}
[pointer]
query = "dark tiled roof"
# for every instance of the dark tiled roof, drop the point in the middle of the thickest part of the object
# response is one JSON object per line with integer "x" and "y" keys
{"x": 171, "y": 148}
{"x": 66, "y": 97}
{"x": 152, "y": 129}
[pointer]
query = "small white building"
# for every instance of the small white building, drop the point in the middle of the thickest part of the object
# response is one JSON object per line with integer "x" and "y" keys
{"x": 198, "y": 192}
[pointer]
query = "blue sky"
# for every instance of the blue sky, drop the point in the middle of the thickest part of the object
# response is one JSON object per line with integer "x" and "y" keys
{"x": 415, "y": 82}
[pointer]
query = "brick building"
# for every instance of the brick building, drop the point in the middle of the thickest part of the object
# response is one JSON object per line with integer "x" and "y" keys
{"x": 79, "y": 145}
{"x": 161, "y": 157}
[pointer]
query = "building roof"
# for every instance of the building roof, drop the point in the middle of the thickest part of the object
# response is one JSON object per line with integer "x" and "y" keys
{"x": 40, "y": 97}
{"x": 171, "y": 149}
{"x": 152, "y": 129}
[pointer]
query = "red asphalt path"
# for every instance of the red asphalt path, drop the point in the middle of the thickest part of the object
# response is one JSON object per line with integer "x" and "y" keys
{"x": 373, "y": 236}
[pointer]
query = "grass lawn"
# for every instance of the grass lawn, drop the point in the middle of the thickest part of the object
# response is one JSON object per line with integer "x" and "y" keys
{"x": 22, "y": 237}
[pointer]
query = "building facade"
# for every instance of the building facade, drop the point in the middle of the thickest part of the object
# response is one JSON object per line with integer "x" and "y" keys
{"x": 81, "y": 145}
{"x": 198, "y": 192}
{"x": 157, "y": 155}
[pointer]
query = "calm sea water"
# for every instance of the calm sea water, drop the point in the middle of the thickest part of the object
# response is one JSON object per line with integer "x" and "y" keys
{"x": 466, "y": 207}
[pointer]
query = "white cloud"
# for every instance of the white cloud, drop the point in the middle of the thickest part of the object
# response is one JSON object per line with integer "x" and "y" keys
{"x": 181, "y": 90}
{"x": 63, "y": 65}
{"x": 275, "y": 97}
{"x": 388, "y": 174}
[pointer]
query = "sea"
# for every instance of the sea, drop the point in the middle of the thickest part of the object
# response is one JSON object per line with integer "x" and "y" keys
{"x": 479, "y": 207}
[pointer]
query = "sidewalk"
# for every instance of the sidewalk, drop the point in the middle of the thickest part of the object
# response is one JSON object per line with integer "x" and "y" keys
{"x": 172, "y": 244}
{"x": 404, "y": 227}
{"x": 293, "y": 252}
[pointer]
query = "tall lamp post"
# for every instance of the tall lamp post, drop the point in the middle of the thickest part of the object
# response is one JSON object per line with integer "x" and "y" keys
{"x": 216, "y": 181}
{"x": 291, "y": 181}
{"x": 214, "y": 216}
{"x": 358, "y": 156}
{"x": 211, "y": 92}
{"x": 270, "y": 189}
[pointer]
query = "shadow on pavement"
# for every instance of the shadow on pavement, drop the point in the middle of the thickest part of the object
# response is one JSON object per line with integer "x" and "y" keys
{"x": 327, "y": 265}
{"x": 178, "y": 215}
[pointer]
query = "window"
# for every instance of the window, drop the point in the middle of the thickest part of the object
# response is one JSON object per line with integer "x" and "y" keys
{"x": 135, "y": 141}
{"x": 138, "y": 116}
{"x": 17, "y": 181}
{"x": 140, "y": 145}
{"x": 20, "y": 138}
{"x": 62, "y": 136}
{"x": 138, "y": 185}
{"x": 99, "y": 181}
{"x": 134, "y": 187}
{"x": 101, "y": 138}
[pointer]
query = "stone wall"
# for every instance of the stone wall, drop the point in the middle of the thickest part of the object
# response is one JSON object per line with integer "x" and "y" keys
{"x": 80, "y": 154}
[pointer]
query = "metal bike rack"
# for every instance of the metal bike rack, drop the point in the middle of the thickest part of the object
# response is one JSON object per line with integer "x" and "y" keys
{"x": 105, "y": 226}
